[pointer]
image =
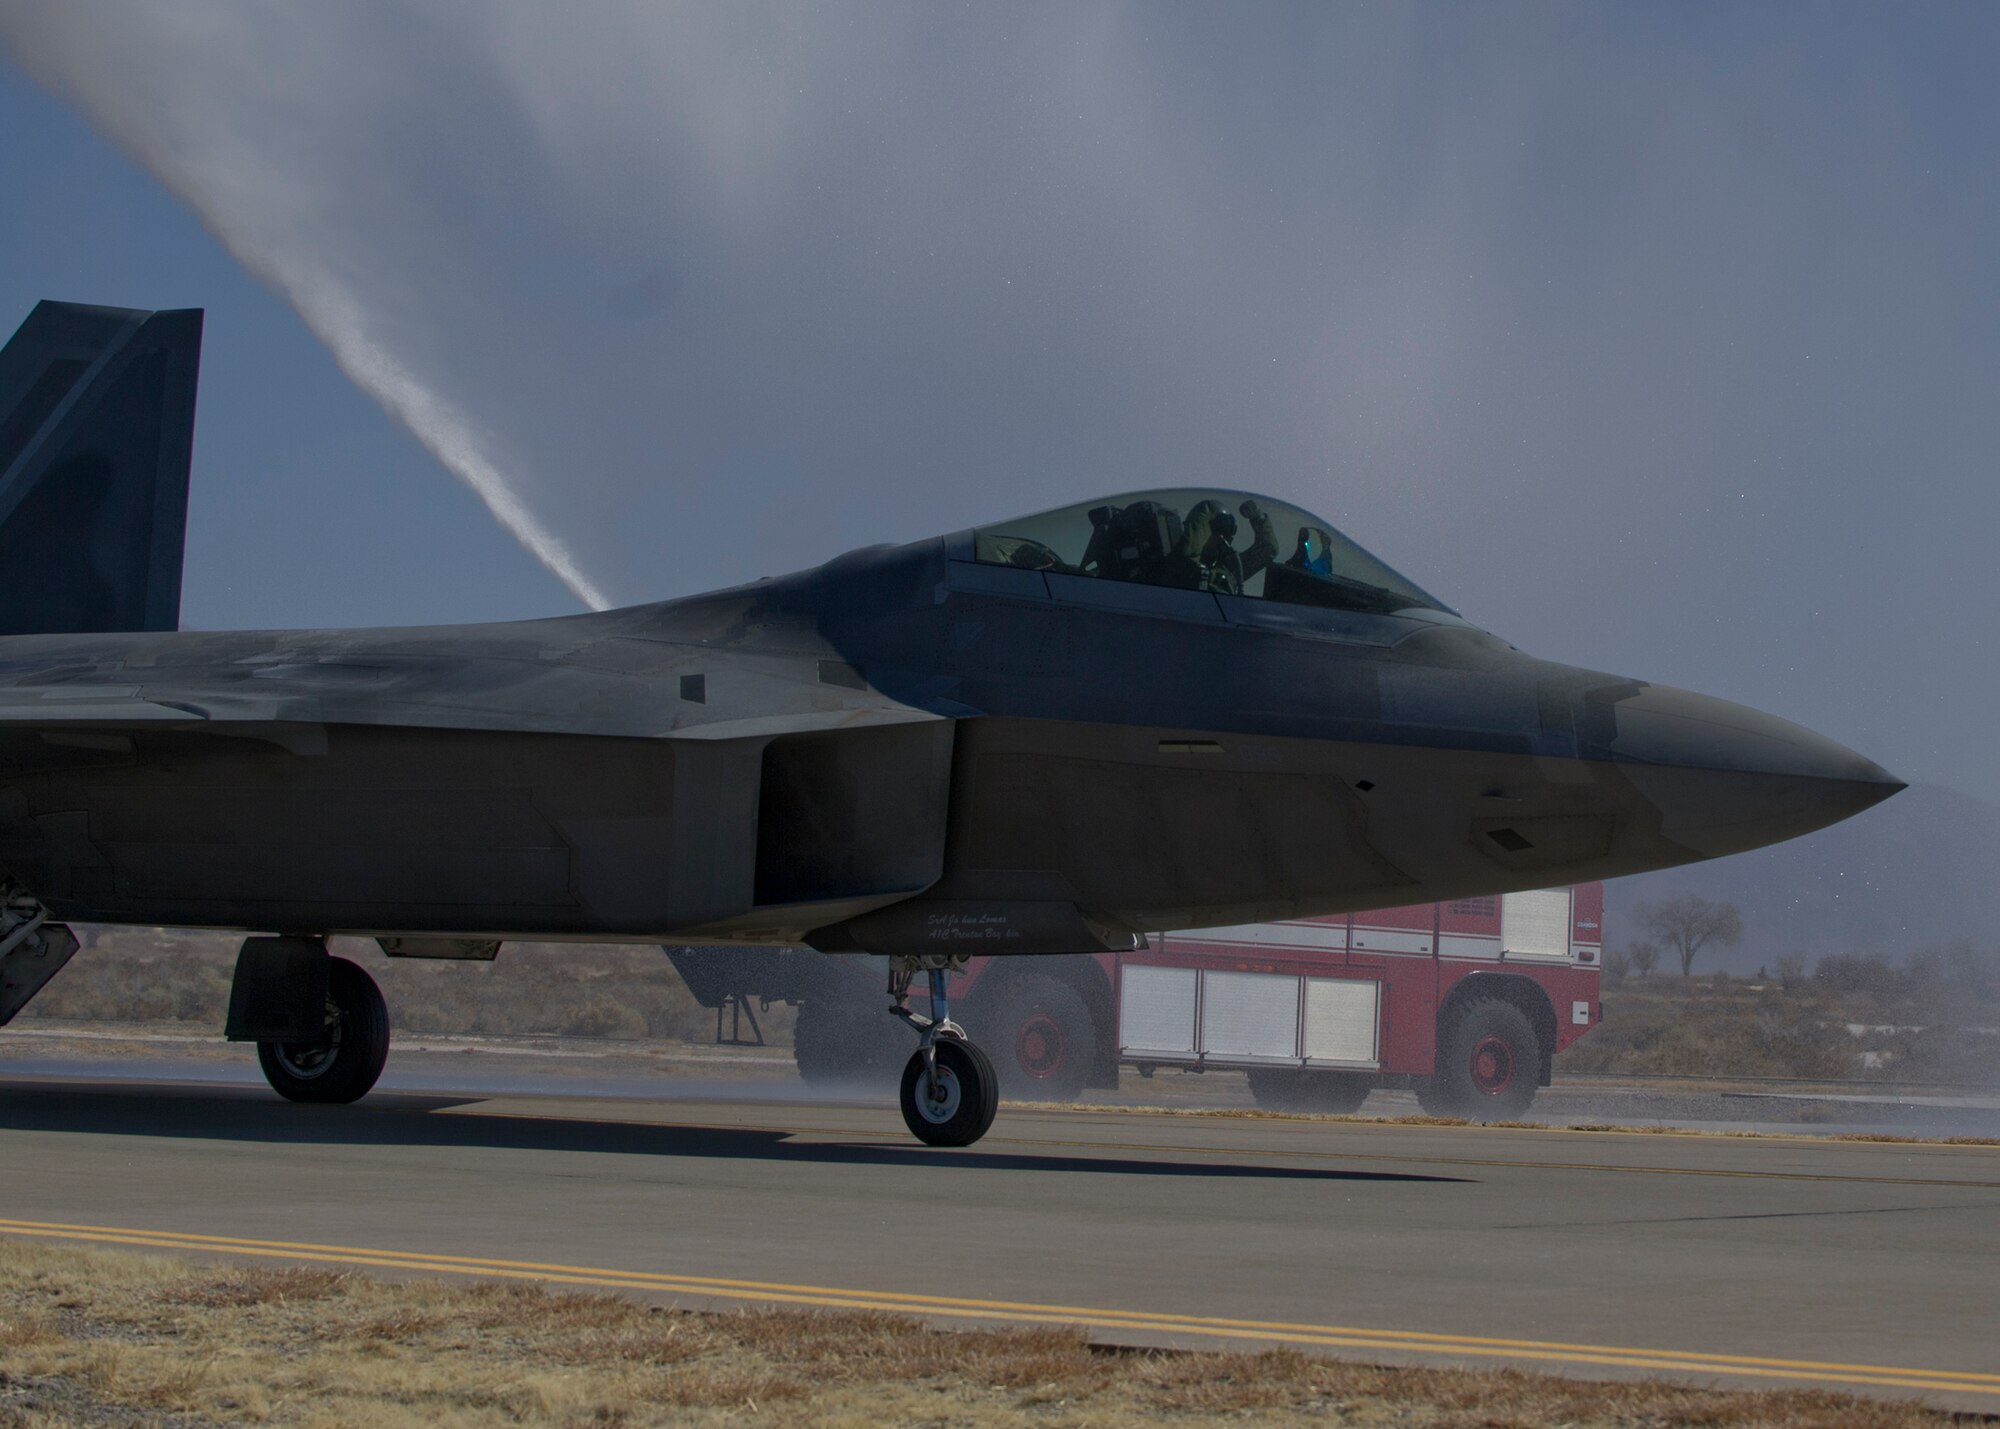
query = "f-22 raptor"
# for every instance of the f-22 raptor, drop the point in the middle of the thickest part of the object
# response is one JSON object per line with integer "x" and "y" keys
{"x": 1057, "y": 734}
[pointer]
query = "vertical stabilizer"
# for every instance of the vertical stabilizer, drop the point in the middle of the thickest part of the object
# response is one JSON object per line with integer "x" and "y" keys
{"x": 96, "y": 428}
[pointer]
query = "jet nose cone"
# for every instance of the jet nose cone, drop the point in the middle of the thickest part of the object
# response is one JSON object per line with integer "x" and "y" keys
{"x": 1727, "y": 778}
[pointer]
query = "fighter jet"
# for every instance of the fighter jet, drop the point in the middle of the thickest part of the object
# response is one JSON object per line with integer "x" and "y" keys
{"x": 1052, "y": 734}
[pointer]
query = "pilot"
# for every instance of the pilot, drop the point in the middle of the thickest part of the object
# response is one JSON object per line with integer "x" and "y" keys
{"x": 1208, "y": 559}
{"x": 1314, "y": 552}
{"x": 1139, "y": 542}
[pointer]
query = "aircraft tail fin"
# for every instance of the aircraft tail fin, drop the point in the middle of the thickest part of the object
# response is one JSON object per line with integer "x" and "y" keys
{"x": 96, "y": 430}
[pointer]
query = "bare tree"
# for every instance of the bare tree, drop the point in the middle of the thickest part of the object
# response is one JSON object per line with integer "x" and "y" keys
{"x": 1688, "y": 922}
{"x": 1792, "y": 970}
{"x": 1645, "y": 956}
{"x": 1616, "y": 964}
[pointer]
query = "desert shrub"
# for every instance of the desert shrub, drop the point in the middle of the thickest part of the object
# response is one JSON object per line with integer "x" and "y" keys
{"x": 604, "y": 1017}
{"x": 1962, "y": 1055}
{"x": 1956, "y": 971}
{"x": 1698, "y": 1029}
{"x": 567, "y": 989}
{"x": 1872, "y": 974}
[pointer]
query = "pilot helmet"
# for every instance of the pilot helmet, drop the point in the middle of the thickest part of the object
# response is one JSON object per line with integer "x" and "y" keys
{"x": 1220, "y": 521}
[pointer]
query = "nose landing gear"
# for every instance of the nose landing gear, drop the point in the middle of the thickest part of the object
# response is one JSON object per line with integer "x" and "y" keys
{"x": 949, "y": 1090}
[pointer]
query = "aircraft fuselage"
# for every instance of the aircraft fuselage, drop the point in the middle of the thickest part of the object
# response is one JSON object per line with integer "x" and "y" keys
{"x": 904, "y": 750}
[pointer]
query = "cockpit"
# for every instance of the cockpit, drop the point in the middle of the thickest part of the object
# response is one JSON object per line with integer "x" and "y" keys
{"x": 1190, "y": 538}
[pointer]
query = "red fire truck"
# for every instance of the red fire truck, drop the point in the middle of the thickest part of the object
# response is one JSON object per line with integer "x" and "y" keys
{"x": 1465, "y": 1002}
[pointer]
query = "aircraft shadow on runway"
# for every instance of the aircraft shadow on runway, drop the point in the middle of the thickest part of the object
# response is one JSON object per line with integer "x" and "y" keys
{"x": 401, "y": 1119}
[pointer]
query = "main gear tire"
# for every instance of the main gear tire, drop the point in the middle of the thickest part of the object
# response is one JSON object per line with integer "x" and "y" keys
{"x": 341, "y": 1065}
{"x": 1488, "y": 1065}
{"x": 1309, "y": 1089}
{"x": 958, "y": 1111}
{"x": 1044, "y": 1040}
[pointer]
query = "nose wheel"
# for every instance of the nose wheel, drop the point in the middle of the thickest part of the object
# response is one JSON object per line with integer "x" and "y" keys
{"x": 951, "y": 1101}
{"x": 949, "y": 1090}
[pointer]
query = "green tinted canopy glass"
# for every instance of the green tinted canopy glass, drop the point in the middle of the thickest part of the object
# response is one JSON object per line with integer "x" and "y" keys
{"x": 1194, "y": 538}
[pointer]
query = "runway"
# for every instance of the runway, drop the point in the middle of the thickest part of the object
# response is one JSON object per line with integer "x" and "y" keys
{"x": 1864, "y": 1266}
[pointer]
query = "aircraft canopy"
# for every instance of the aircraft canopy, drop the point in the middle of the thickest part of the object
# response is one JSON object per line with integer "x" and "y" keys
{"x": 1193, "y": 538}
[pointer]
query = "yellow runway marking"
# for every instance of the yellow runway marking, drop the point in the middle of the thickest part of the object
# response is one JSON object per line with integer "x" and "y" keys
{"x": 1017, "y": 1312}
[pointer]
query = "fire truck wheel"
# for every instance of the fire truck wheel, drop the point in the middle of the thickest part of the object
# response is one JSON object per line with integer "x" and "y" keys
{"x": 1488, "y": 1063}
{"x": 836, "y": 1041}
{"x": 1309, "y": 1089}
{"x": 1044, "y": 1040}
{"x": 958, "y": 1111}
{"x": 343, "y": 1063}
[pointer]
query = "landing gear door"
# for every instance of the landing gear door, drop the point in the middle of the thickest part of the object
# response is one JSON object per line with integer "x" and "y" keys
{"x": 30, "y": 955}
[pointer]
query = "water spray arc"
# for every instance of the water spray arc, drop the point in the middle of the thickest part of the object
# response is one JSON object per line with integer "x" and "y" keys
{"x": 445, "y": 433}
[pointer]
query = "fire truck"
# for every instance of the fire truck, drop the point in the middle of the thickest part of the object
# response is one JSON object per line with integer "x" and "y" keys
{"x": 1464, "y": 1002}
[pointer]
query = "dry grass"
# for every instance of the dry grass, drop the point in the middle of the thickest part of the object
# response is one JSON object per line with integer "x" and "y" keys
{"x": 1928, "y": 1022}
{"x": 114, "y": 1338}
{"x": 572, "y": 990}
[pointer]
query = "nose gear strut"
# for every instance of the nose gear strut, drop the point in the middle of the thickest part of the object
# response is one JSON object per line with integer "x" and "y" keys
{"x": 949, "y": 1091}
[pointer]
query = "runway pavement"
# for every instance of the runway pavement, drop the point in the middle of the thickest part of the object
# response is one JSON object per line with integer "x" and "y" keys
{"x": 1864, "y": 1266}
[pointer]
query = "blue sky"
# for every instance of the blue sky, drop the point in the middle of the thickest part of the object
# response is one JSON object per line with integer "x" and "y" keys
{"x": 1659, "y": 339}
{"x": 309, "y": 506}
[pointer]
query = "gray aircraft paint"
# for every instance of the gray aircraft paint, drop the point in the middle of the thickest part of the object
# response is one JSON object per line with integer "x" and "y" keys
{"x": 96, "y": 426}
{"x": 901, "y": 751}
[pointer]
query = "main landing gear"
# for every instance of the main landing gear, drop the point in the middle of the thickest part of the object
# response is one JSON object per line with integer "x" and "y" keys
{"x": 341, "y": 1060}
{"x": 319, "y": 1022}
{"x": 950, "y": 1091}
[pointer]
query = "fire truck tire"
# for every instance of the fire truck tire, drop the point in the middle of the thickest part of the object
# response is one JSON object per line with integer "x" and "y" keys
{"x": 342, "y": 1065}
{"x": 837, "y": 1041}
{"x": 1043, "y": 1039}
{"x": 1489, "y": 1060}
{"x": 1309, "y": 1089}
{"x": 969, "y": 1094}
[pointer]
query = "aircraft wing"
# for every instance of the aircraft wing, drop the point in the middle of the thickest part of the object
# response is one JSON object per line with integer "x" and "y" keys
{"x": 583, "y": 675}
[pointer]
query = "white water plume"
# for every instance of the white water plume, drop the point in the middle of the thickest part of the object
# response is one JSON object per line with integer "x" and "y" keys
{"x": 206, "y": 143}
{"x": 446, "y": 433}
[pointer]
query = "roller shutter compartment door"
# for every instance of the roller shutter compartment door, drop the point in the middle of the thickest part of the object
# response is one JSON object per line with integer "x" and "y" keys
{"x": 1343, "y": 1020}
{"x": 1536, "y": 925}
{"x": 1250, "y": 1016}
{"x": 1156, "y": 1011}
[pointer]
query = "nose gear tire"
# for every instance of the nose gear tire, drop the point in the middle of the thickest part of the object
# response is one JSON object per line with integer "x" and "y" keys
{"x": 343, "y": 1064}
{"x": 969, "y": 1095}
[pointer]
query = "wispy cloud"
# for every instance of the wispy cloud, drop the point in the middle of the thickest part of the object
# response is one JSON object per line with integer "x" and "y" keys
{"x": 1658, "y": 340}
